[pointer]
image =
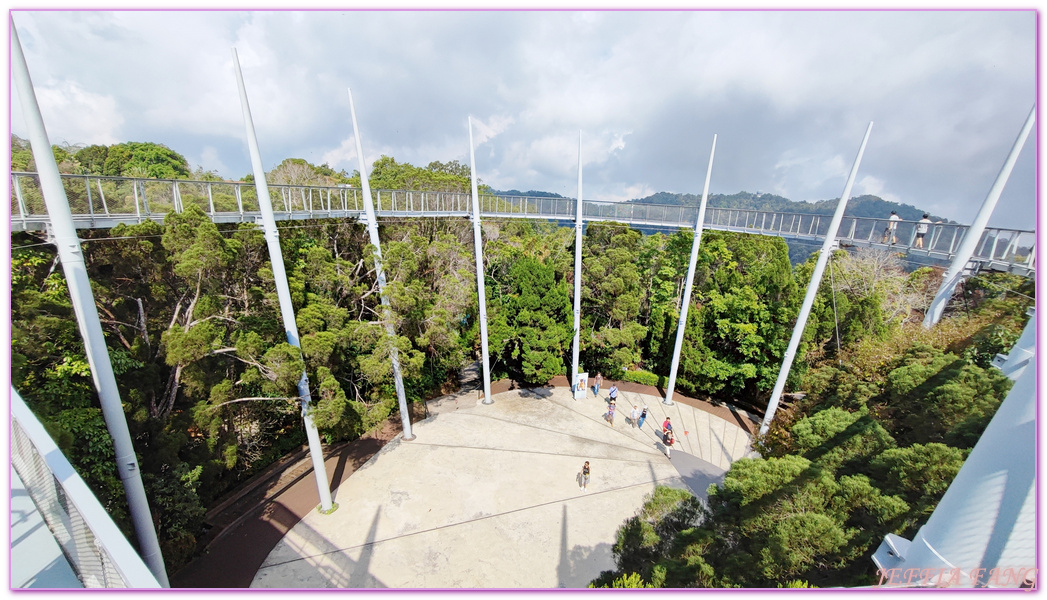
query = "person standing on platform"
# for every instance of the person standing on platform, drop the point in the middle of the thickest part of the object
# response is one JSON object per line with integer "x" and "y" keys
{"x": 670, "y": 439}
{"x": 610, "y": 413}
{"x": 612, "y": 394}
{"x": 585, "y": 477}
{"x": 597, "y": 383}
{"x": 667, "y": 426}
{"x": 643, "y": 415}
{"x": 635, "y": 415}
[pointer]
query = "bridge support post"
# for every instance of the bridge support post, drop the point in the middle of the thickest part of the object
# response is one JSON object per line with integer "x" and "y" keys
{"x": 481, "y": 293}
{"x": 686, "y": 301}
{"x": 812, "y": 289}
{"x": 970, "y": 241}
{"x": 578, "y": 224}
{"x": 81, "y": 297}
{"x": 283, "y": 291}
{"x": 372, "y": 231}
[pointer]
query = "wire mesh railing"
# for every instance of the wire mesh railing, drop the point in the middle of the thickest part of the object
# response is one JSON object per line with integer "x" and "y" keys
{"x": 97, "y": 551}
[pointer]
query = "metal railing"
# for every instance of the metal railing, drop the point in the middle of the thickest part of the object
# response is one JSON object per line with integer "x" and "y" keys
{"x": 94, "y": 546}
{"x": 102, "y": 202}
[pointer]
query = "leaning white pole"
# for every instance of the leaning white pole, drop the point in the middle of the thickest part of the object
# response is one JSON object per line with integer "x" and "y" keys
{"x": 283, "y": 291}
{"x": 682, "y": 324}
{"x": 82, "y": 299}
{"x": 372, "y": 231}
{"x": 481, "y": 294}
{"x": 954, "y": 274}
{"x": 812, "y": 289}
{"x": 577, "y": 274}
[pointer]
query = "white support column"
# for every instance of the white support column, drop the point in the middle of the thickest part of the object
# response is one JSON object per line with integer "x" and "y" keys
{"x": 283, "y": 292}
{"x": 812, "y": 289}
{"x": 578, "y": 224}
{"x": 686, "y": 302}
{"x": 372, "y": 231}
{"x": 81, "y": 297}
{"x": 1014, "y": 363}
{"x": 970, "y": 241}
{"x": 481, "y": 294}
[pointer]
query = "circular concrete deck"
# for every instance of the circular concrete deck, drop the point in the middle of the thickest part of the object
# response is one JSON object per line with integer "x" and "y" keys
{"x": 487, "y": 496}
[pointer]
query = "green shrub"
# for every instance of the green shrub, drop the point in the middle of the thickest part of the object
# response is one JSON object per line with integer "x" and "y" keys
{"x": 644, "y": 378}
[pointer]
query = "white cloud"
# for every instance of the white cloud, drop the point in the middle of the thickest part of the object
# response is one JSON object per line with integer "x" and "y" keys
{"x": 342, "y": 157}
{"x": 788, "y": 92}
{"x": 210, "y": 160}
{"x": 74, "y": 115}
{"x": 488, "y": 130}
{"x": 874, "y": 186}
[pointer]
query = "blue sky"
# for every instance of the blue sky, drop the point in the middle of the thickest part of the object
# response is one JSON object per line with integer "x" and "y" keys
{"x": 789, "y": 95}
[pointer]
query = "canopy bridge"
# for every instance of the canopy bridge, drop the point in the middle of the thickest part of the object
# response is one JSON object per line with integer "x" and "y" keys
{"x": 100, "y": 202}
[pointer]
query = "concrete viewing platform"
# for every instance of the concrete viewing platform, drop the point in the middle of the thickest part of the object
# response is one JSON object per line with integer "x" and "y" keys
{"x": 487, "y": 496}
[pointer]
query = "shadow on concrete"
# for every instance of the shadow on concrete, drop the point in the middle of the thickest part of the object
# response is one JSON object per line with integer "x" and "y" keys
{"x": 539, "y": 393}
{"x": 575, "y": 559}
{"x": 698, "y": 474}
{"x": 319, "y": 557}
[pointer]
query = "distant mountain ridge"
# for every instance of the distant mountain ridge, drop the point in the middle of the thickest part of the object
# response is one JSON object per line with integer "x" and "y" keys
{"x": 859, "y": 206}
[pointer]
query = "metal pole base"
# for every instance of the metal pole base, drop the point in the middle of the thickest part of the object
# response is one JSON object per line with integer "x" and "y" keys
{"x": 320, "y": 508}
{"x": 487, "y": 401}
{"x": 410, "y": 439}
{"x": 668, "y": 402}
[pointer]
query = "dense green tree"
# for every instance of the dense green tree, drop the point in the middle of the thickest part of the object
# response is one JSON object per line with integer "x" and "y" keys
{"x": 142, "y": 159}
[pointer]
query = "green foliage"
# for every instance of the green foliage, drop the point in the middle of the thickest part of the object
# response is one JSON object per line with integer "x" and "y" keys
{"x": 644, "y": 378}
{"x": 632, "y": 580}
{"x": 387, "y": 174}
{"x": 738, "y": 324}
{"x": 134, "y": 159}
{"x": 931, "y": 396}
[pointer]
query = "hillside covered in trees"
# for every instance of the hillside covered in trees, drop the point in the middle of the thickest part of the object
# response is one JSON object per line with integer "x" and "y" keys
{"x": 208, "y": 380}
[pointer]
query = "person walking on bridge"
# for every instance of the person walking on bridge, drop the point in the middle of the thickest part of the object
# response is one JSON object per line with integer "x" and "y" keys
{"x": 612, "y": 394}
{"x": 892, "y": 228}
{"x": 597, "y": 383}
{"x": 921, "y": 229}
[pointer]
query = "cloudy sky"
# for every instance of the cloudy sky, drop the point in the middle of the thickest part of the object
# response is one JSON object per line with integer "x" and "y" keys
{"x": 789, "y": 95}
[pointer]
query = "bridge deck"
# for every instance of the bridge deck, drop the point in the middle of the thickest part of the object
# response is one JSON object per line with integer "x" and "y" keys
{"x": 103, "y": 202}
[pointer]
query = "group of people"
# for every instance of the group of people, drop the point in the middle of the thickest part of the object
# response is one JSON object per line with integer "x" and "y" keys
{"x": 636, "y": 417}
{"x": 922, "y": 227}
{"x": 668, "y": 439}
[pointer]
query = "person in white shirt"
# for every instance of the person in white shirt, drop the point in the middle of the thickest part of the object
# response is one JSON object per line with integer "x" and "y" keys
{"x": 892, "y": 228}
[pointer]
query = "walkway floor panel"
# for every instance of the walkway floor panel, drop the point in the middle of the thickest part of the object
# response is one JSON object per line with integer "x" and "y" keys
{"x": 488, "y": 496}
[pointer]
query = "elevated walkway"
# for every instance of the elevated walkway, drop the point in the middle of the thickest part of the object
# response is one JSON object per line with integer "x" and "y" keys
{"x": 103, "y": 202}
